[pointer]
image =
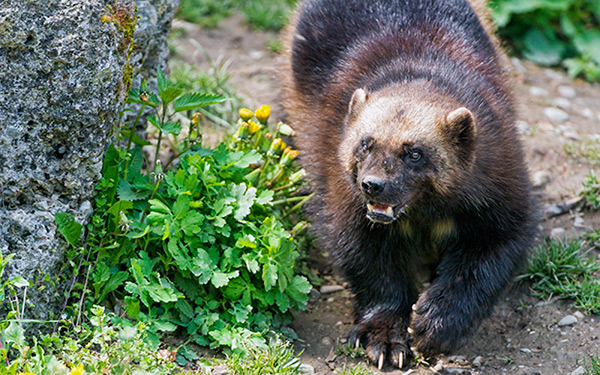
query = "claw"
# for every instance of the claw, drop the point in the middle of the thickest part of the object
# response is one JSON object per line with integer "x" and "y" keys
{"x": 414, "y": 307}
{"x": 410, "y": 330}
{"x": 380, "y": 364}
{"x": 357, "y": 344}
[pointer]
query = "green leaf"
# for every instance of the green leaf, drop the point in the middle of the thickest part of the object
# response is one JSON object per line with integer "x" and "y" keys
{"x": 164, "y": 326}
{"x": 68, "y": 227}
{"x": 196, "y": 100}
{"x": 120, "y": 206}
{"x": 130, "y": 192}
{"x": 18, "y": 282}
{"x": 298, "y": 289}
{"x": 114, "y": 282}
{"x": 166, "y": 92}
{"x": 220, "y": 279}
{"x": 172, "y": 128}
{"x": 588, "y": 43}
{"x": 542, "y": 49}
{"x": 269, "y": 275}
{"x": 251, "y": 157}
{"x": 135, "y": 139}
{"x": 15, "y": 334}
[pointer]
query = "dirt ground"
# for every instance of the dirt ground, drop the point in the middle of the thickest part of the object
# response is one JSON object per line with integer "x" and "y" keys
{"x": 522, "y": 336}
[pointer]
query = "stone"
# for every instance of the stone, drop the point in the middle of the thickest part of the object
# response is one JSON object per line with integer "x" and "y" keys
{"x": 558, "y": 233}
{"x": 478, "y": 361}
{"x": 579, "y": 315}
{"x": 567, "y": 321}
{"x": 579, "y": 371}
{"x": 523, "y": 127}
{"x": 66, "y": 71}
{"x": 220, "y": 370}
{"x": 540, "y": 179}
{"x": 562, "y": 103}
{"x": 538, "y": 91}
{"x": 518, "y": 65}
{"x": 579, "y": 222}
{"x": 566, "y": 92}
{"x": 525, "y": 350}
{"x": 587, "y": 113}
{"x": 326, "y": 341}
{"x": 571, "y": 134}
{"x": 306, "y": 369}
{"x": 556, "y": 115}
{"x": 327, "y": 289}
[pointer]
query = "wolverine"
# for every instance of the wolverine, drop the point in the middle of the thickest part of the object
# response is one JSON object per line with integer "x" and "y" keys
{"x": 405, "y": 123}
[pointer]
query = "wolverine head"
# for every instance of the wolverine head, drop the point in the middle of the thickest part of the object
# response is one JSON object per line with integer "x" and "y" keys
{"x": 405, "y": 144}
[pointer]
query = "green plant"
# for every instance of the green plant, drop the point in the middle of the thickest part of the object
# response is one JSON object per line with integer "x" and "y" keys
{"x": 260, "y": 14}
{"x": 595, "y": 366}
{"x": 560, "y": 269}
{"x": 591, "y": 191}
{"x": 587, "y": 150}
{"x": 354, "y": 370}
{"x": 350, "y": 351}
{"x": 275, "y": 358}
{"x": 204, "y": 244}
{"x": 100, "y": 348}
{"x": 549, "y": 32}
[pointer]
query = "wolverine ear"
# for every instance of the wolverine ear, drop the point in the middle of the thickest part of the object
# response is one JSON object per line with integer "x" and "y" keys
{"x": 461, "y": 128}
{"x": 359, "y": 98}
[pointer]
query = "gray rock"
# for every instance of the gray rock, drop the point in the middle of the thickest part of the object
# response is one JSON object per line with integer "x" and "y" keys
{"x": 326, "y": 341}
{"x": 558, "y": 233}
{"x": 523, "y": 127}
{"x": 567, "y": 321}
{"x": 538, "y": 91}
{"x": 578, "y": 371}
{"x": 518, "y": 65}
{"x": 326, "y": 289}
{"x": 525, "y": 350}
{"x": 64, "y": 80}
{"x": 567, "y": 92}
{"x": 579, "y": 315}
{"x": 579, "y": 222}
{"x": 556, "y": 115}
{"x": 220, "y": 370}
{"x": 478, "y": 361}
{"x": 306, "y": 369}
{"x": 456, "y": 370}
{"x": 562, "y": 103}
{"x": 540, "y": 179}
{"x": 587, "y": 113}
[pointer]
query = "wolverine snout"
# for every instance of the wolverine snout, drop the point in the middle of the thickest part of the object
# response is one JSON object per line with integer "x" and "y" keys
{"x": 372, "y": 186}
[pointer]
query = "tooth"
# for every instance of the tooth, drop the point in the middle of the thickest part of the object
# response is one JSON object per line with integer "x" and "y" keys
{"x": 401, "y": 360}
{"x": 370, "y": 207}
{"x": 389, "y": 211}
{"x": 380, "y": 365}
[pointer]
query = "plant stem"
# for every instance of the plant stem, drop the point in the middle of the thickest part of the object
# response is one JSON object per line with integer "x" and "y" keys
{"x": 292, "y": 199}
{"x": 157, "y": 149}
{"x": 131, "y": 133}
{"x": 300, "y": 204}
{"x": 149, "y": 199}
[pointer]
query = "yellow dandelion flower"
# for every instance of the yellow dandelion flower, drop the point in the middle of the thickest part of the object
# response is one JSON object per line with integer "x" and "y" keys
{"x": 245, "y": 114}
{"x": 77, "y": 370}
{"x": 262, "y": 113}
{"x": 254, "y": 127}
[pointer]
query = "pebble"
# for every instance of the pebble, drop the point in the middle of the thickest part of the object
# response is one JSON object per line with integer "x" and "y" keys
{"x": 579, "y": 222}
{"x": 326, "y": 289}
{"x": 456, "y": 370}
{"x": 572, "y": 134}
{"x": 588, "y": 113}
{"x": 523, "y": 127}
{"x": 567, "y": 321}
{"x": 538, "y": 91}
{"x": 220, "y": 370}
{"x": 578, "y": 315}
{"x": 525, "y": 350}
{"x": 578, "y": 371}
{"x": 556, "y": 115}
{"x": 567, "y": 92}
{"x": 540, "y": 179}
{"x": 478, "y": 361}
{"x": 552, "y": 210}
{"x": 256, "y": 55}
{"x": 562, "y": 103}
{"x": 518, "y": 65}
{"x": 558, "y": 233}
{"x": 326, "y": 341}
{"x": 306, "y": 369}
{"x": 315, "y": 294}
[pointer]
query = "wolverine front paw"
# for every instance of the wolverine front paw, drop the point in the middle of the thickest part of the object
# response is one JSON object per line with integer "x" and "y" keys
{"x": 439, "y": 327}
{"x": 384, "y": 342}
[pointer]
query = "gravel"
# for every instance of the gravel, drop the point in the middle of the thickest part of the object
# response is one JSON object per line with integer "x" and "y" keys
{"x": 556, "y": 115}
{"x": 567, "y": 321}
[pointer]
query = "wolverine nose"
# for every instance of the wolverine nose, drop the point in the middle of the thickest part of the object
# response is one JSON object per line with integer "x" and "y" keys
{"x": 372, "y": 186}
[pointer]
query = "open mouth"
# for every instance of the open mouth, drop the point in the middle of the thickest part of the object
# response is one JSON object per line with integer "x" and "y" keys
{"x": 382, "y": 213}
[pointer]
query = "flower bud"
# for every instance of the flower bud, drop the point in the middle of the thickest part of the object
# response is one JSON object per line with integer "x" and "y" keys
{"x": 285, "y": 129}
{"x": 193, "y": 135}
{"x": 243, "y": 131}
{"x": 262, "y": 113}
{"x": 144, "y": 96}
{"x": 297, "y": 176}
{"x": 253, "y": 127}
{"x": 245, "y": 114}
{"x": 289, "y": 156}
{"x": 253, "y": 176}
{"x": 275, "y": 148}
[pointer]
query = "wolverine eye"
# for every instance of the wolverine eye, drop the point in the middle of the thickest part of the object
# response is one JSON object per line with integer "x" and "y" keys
{"x": 415, "y": 155}
{"x": 365, "y": 144}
